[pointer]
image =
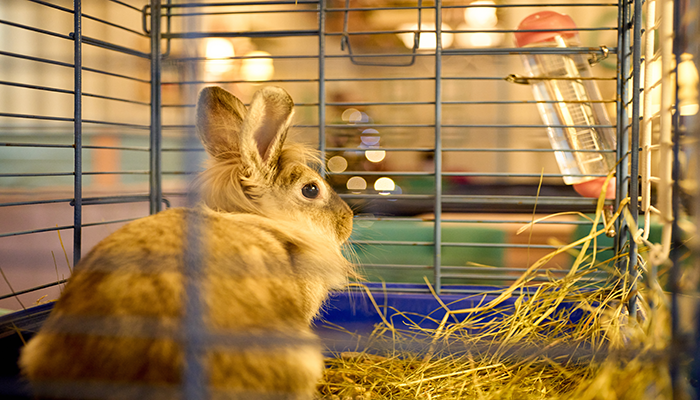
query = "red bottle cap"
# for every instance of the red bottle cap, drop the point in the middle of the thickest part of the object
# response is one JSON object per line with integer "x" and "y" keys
{"x": 593, "y": 188}
{"x": 544, "y": 20}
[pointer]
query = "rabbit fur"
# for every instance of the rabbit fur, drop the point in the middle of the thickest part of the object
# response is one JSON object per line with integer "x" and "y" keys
{"x": 269, "y": 253}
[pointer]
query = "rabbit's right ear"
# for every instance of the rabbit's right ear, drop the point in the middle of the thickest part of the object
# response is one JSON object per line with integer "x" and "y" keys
{"x": 220, "y": 117}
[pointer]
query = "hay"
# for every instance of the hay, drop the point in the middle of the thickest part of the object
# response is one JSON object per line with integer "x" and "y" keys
{"x": 568, "y": 338}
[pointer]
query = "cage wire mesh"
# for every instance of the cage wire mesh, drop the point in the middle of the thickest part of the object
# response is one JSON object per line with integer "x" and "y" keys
{"x": 417, "y": 107}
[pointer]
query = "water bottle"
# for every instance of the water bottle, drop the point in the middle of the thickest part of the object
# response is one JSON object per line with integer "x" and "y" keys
{"x": 564, "y": 99}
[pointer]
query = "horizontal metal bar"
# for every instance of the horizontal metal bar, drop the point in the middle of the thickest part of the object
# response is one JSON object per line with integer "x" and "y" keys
{"x": 183, "y": 149}
{"x": 116, "y": 75}
{"x": 41, "y": 230}
{"x": 358, "y": 149}
{"x": 522, "y": 5}
{"x": 516, "y": 270}
{"x": 413, "y": 31}
{"x": 34, "y": 203}
{"x": 40, "y": 145}
{"x": 224, "y": 82}
{"x": 86, "y": 16}
{"x": 485, "y": 51}
{"x": 121, "y": 124}
{"x": 479, "y": 102}
{"x": 178, "y": 127}
{"x": 56, "y": 174}
{"x": 35, "y": 175}
{"x": 431, "y": 7}
{"x": 37, "y": 59}
{"x": 522, "y": 200}
{"x": 450, "y": 244}
{"x": 463, "y": 268}
{"x": 501, "y": 278}
{"x": 491, "y": 200}
{"x": 241, "y": 3}
{"x": 32, "y": 116}
{"x": 34, "y": 289}
{"x": 117, "y": 26}
{"x": 522, "y": 126}
{"x": 380, "y": 173}
{"x": 65, "y": 227}
{"x": 92, "y": 201}
{"x": 387, "y": 79}
{"x": 181, "y": 172}
{"x": 124, "y": 148}
{"x": 194, "y": 105}
{"x": 33, "y": 29}
{"x": 249, "y": 34}
{"x": 404, "y": 103}
{"x": 527, "y": 102}
{"x": 444, "y": 174}
{"x": 119, "y": 99}
{"x": 391, "y": 242}
{"x": 519, "y": 175}
{"x": 369, "y": 125}
{"x": 179, "y": 60}
{"x": 36, "y": 87}
{"x": 69, "y": 65}
{"x": 71, "y": 92}
{"x": 360, "y": 219}
{"x": 125, "y": 5}
{"x": 516, "y": 221}
{"x": 115, "y": 172}
{"x": 113, "y": 47}
{"x": 393, "y": 197}
{"x": 256, "y": 12}
{"x": 463, "y": 149}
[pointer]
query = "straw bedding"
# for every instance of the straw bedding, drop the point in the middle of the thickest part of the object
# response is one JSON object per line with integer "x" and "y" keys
{"x": 568, "y": 338}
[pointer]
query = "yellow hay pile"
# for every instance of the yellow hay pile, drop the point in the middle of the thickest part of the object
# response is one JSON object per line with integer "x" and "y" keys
{"x": 535, "y": 350}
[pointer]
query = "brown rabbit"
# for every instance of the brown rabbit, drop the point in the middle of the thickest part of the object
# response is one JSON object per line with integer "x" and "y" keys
{"x": 269, "y": 233}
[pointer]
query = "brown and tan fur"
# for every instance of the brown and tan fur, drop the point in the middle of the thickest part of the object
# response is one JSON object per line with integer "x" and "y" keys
{"x": 269, "y": 256}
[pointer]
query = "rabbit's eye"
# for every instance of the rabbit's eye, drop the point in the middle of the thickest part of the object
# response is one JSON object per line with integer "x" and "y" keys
{"x": 310, "y": 191}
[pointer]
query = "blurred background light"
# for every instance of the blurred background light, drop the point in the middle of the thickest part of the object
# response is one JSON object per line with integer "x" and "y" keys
{"x": 259, "y": 68}
{"x": 337, "y": 164}
{"x": 356, "y": 183}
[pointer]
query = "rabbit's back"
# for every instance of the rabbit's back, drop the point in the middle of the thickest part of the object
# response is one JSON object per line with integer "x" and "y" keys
{"x": 119, "y": 316}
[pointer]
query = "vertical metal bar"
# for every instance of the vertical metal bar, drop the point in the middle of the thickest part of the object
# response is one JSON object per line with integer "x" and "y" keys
{"x": 623, "y": 67}
{"x": 194, "y": 375}
{"x": 77, "y": 130}
{"x": 634, "y": 149}
{"x": 322, "y": 82}
{"x": 677, "y": 340}
{"x": 155, "y": 173}
{"x": 437, "y": 259}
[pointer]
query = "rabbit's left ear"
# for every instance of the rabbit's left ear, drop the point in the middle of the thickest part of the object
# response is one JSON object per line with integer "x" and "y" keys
{"x": 265, "y": 128}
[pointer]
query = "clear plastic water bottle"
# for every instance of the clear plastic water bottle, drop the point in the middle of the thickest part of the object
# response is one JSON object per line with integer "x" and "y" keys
{"x": 570, "y": 101}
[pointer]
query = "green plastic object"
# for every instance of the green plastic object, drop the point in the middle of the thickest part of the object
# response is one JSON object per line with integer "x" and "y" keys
{"x": 410, "y": 263}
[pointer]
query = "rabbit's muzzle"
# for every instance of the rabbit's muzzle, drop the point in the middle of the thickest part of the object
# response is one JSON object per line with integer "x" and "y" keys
{"x": 343, "y": 222}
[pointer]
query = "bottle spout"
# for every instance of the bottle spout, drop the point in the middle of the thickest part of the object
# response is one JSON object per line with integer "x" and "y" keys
{"x": 593, "y": 188}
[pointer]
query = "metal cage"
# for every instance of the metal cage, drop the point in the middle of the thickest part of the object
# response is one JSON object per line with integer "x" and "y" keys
{"x": 96, "y": 127}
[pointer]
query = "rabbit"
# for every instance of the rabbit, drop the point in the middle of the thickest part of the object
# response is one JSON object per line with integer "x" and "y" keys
{"x": 268, "y": 234}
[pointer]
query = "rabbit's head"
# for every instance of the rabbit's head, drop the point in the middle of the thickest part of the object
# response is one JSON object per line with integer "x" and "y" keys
{"x": 253, "y": 171}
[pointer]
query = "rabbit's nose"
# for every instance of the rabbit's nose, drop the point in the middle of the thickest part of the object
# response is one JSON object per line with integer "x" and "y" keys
{"x": 343, "y": 222}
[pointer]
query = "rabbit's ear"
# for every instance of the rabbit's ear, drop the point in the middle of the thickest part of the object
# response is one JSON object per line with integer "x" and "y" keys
{"x": 265, "y": 127}
{"x": 220, "y": 118}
